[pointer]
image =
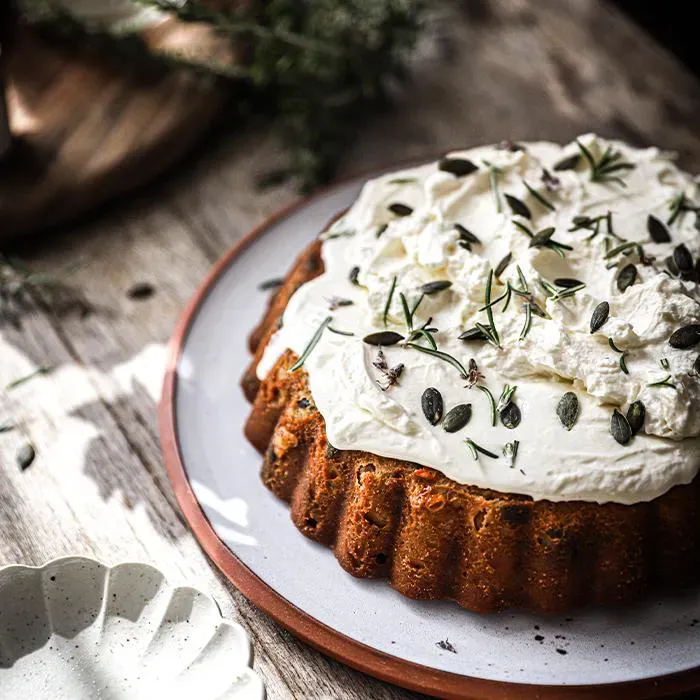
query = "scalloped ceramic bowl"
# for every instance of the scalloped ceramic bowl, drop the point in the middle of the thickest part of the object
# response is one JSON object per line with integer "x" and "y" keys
{"x": 77, "y": 629}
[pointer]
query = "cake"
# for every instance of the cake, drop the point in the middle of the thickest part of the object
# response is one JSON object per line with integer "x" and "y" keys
{"x": 481, "y": 381}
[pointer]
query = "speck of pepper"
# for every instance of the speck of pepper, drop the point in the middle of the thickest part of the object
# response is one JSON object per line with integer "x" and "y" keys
{"x": 52, "y": 578}
{"x": 539, "y": 638}
{"x": 537, "y": 627}
{"x": 141, "y": 291}
{"x": 563, "y": 652}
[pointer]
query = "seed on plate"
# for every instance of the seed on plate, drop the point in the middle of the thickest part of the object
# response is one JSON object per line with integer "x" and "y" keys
{"x": 457, "y": 166}
{"x": 627, "y": 277}
{"x": 685, "y": 337}
{"x": 635, "y": 416}
{"x": 383, "y": 338}
{"x": 567, "y": 409}
{"x": 432, "y": 405}
{"x": 620, "y": 428}
{"x": 600, "y": 316}
{"x": 457, "y": 418}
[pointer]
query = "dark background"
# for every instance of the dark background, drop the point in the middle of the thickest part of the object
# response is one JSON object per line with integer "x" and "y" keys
{"x": 672, "y": 23}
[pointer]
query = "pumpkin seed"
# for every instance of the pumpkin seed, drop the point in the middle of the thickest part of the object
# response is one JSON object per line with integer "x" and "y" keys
{"x": 635, "y": 416}
{"x": 620, "y": 428}
{"x": 457, "y": 166}
{"x": 685, "y": 337}
{"x": 510, "y": 416}
{"x": 383, "y": 338}
{"x": 657, "y": 230}
{"x": 567, "y": 282}
{"x": 696, "y": 365}
{"x": 472, "y": 334}
{"x": 568, "y": 163}
{"x": 683, "y": 259}
{"x": 434, "y": 287}
{"x": 25, "y": 456}
{"x": 457, "y": 418}
{"x": 567, "y": 409}
{"x": 542, "y": 237}
{"x": 400, "y": 209}
{"x": 500, "y": 268}
{"x": 432, "y": 405}
{"x": 627, "y": 277}
{"x": 466, "y": 235}
{"x": 600, "y": 316}
{"x": 517, "y": 206}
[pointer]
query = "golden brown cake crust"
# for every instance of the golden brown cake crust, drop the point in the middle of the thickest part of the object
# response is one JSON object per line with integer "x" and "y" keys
{"x": 433, "y": 538}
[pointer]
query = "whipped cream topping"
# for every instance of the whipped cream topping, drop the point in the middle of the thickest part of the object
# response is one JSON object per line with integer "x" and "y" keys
{"x": 419, "y": 243}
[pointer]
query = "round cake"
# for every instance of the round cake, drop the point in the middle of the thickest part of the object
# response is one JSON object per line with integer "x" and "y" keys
{"x": 481, "y": 381}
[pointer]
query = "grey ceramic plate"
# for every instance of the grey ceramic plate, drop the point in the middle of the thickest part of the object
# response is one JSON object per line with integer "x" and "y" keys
{"x": 365, "y": 623}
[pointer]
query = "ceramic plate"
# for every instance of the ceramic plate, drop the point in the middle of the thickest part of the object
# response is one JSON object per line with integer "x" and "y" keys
{"x": 76, "y": 629}
{"x": 647, "y": 651}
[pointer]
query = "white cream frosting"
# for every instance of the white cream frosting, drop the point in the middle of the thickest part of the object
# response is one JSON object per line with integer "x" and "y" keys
{"x": 557, "y": 355}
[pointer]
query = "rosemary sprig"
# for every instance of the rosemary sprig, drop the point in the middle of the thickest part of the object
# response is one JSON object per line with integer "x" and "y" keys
{"x": 408, "y": 317}
{"x": 314, "y": 70}
{"x": 510, "y": 449}
{"x": 664, "y": 382}
{"x": 623, "y": 248}
{"x": 555, "y": 293}
{"x": 609, "y": 166}
{"x": 543, "y": 239}
{"x": 388, "y": 300}
{"x": 506, "y": 397}
{"x": 540, "y": 198}
{"x": 679, "y": 205}
{"x": 339, "y": 332}
{"x": 528, "y": 321}
{"x": 445, "y": 357}
{"x": 614, "y": 347}
{"x": 27, "y": 377}
{"x": 489, "y": 310}
{"x": 475, "y": 449}
{"x": 492, "y": 402}
{"x": 312, "y": 344}
{"x": 494, "y": 172}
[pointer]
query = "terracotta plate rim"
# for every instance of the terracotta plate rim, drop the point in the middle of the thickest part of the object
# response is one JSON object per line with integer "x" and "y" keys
{"x": 327, "y": 640}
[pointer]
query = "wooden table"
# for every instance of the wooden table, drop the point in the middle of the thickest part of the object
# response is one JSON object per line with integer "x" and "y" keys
{"x": 520, "y": 70}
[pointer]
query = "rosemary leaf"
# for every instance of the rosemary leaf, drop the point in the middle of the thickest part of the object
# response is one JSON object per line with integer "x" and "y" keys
{"x": 475, "y": 449}
{"x": 312, "y": 344}
{"x": 540, "y": 198}
{"x": 489, "y": 310}
{"x": 27, "y": 377}
{"x": 492, "y": 403}
{"x": 388, "y": 300}
{"x": 445, "y": 357}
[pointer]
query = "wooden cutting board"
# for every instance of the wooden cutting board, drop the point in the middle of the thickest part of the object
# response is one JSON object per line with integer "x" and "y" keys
{"x": 88, "y": 128}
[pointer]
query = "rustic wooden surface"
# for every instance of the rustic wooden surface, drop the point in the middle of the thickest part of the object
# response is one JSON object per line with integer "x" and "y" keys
{"x": 95, "y": 128}
{"x": 98, "y": 486}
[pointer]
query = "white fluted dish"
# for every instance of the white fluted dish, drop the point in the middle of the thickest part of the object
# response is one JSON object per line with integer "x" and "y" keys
{"x": 75, "y": 628}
